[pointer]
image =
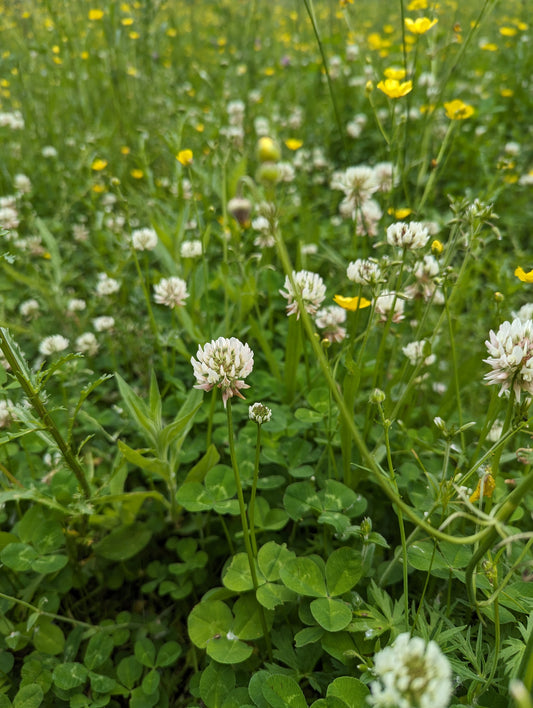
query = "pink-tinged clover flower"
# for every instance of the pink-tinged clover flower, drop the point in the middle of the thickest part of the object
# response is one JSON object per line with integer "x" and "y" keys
{"x": 223, "y": 363}
{"x": 511, "y": 357}
{"x": 311, "y": 288}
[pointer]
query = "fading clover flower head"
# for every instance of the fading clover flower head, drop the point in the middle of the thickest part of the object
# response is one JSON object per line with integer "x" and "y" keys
{"x": 259, "y": 413}
{"x": 223, "y": 363}
{"x": 511, "y": 357}
{"x": 413, "y": 235}
{"x": 364, "y": 271}
{"x": 311, "y": 288}
{"x": 411, "y": 674}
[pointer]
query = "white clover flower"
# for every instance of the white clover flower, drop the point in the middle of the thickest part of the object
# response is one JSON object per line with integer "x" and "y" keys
{"x": 259, "y": 413}
{"x": 86, "y": 343}
{"x": 357, "y": 183}
{"x": 191, "y": 249}
{"x": 53, "y": 344}
{"x": 6, "y": 412}
{"x": 28, "y": 308}
{"x": 331, "y": 319}
{"x": 144, "y": 239}
{"x": 525, "y": 313}
{"x": 22, "y": 184}
{"x": 171, "y": 292}
{"x": 413, "y": 235}
{"x": 312, "y": 289}
{"x": 384, "y": 304}
{"x": 76, "y": 305}
{"x": 223, "y": 363}
{"x": 411, "y": 674}
{"x": 103, "y": 323}
{"x": 80, "y": 232}
{"x": 367, "y": 218}
{"x": 106, "y": 285}
{"x": 418, "y": 353}
{"x": 49, "y": 151}
{"x": 384, "y": 172}
{"x": 364, "y": 271}
{"x": 511, "y": 357}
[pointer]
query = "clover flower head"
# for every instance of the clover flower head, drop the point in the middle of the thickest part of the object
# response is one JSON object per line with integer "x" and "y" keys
{"x": 411, "y": 674}
{"x": 103, "y": 323}
{"x": 358, "y": 183}
{"x": 53, "y": 344}
{"x": 330, "y": 319}
{"x": 191, "y": 249}
{"x": 223, "y": 363}
{"x": 259, "y": 413}
{"x": 411, "y": 235}
{"x": 310, "y": 286}
{"x": 511, "y": 357}
{"x": 144, "y": 239}
{"x": 106, "y": 285}
{"x": 419, "y": 353}
{"x": 385, "y": 302}
{"x": 364, "y": 271}
{"x": 29, "y": 308}
{"x": 87, "y": 343}
{"x": 171, "y": 292}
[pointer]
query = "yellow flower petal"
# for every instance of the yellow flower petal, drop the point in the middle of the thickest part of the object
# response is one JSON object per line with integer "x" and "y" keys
{"x": 185, "y": 157}
{"x": 394, "y": 89}
{"x": 419, "y": 26}
{"x": 523, "y": 276}
{"x": 487, "y": 484}
{"x": 96, "y": 14}
{"x": 352, "y": 303}
{"x": 99, "y": 165}
{"x": 294, "y": 143}
{"x": 458, "y": 110}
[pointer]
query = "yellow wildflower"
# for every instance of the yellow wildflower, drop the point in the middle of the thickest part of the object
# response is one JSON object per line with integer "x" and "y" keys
{"x": 489, "y": 47}
{"x": 419, "y": 26}
{"x": 294, "y": 143}
{"x": 99, "y": 164}
{"x": 394, "y": 89}
{"x": 394, "y": 73}
{"x": 523, "y": 276}
{"x": 184, "y": 157}
{"x": 352, "y": 303}
{"x": 400, "y": 213}
{"x": 458, "y": 110}
{"x": 136, "y": 173}
{"x": 508, "y": 31}
{"x": 125, "y": 150}
{"x": 96, "y": 14}
{"x": 485, "y": 487}
{"x": 437, "y": 247}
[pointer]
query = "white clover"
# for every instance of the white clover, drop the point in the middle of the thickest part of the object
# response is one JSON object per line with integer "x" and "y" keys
{"x": 87, "y": 343}
{"x": 511, "y": 357}
{"x": 191, "y": 249}
{"x": 76, "y": 305}
{"x": 525, "y": 313}
{"x": 358, "y": 183}
{"x": 259, "y": 413}
{"x": 385, "y": 302}
{"x": 223, "y": 363}
{"x": 330, "y": 319}
{"x": 384, "y": 173}
{"x": 311, "y": 288}
{"x": 144, "y": 239}
{"x": 411, "y": 235}
{"x": 411, "y": 674}
{"x": 103, "y": 323}
{"x": 418, "y": 353}
{"x": 53, "y": 344}
{"x": 6, "y": 412}
{"x": 171, "y": 292}
{"x": 28, "y": 308}
{"x": 106, "y": 285}
{"x": 364, "y": 271}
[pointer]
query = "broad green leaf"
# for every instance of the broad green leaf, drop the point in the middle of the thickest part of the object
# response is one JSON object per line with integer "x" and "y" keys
{"x": 303, "y": 576}
{"x": 350, "y": 690}
{"x": 168, "y": 654}
{"x": 267, "y": 518}
{"x": 220, "y": 481}
{"x": 340, "y": 522}
{"x": 139, "y": 699}
{"x": 98, "y": 650}
{"x": 202, "y": 467}
{"x": 150, "y": 682}
{"x": 228, "y": 651}
{"x": 48, "y": 638}
{"x": 282, "y": 692}
{"x": 29, "y": 696}
{"x": 308, "y": 635}
{"x": 271, "y": 558}
{"x": 6, "y": 661}
{"x": 247, "y": 622}
{"x": 69, "y": 675}
{"x": 255, "y": 688}
{"x": 101, "y": 683}
{"x": 18, "y": 556}
{"x": 194, "y": 497}
{"x": 129, "y": 671}
{"x": 270, "y": 595}
{"x": 306, "y": 415}
{"x": 331, "y": 614}
{"x": 331, "y": 702}
{"x": 336, "y": 496}
{"x": 238, "y": 698}
{"x": 137, "y": 409}
{"x": 208, "y": 620}
{"x": 237, "y": 576}
{"x": 216, "y": 682}
{"x": 340, "y": 645}
{"x": 123, "y": 542}
{"x": 5, "y": 702}
{"x": 7, "y": 538}
{"x": 344, "y": 569}
{"x": 299, "y": 499}
{"x": 49, "y": 564}
{"x": 423, "y": 555}
{"x": 145, "y": 652}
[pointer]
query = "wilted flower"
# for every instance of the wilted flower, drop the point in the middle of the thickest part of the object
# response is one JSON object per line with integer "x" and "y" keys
{"x": 144, "y": 239}
{"x": 259, "y": 413}
{"x": 310, "y": 286}
{"x": 53, "y": 344}
{"x": 6, "y": 413}
{"x": 411, "y": 235}
{"x": 240, "y": 208}
{"x": 171, "y": 292}
{"x": 511, "y": 357}
{"x": 411, "y": 674}
{"x": 223, "y": 363}
{"x": 330, "y": 319}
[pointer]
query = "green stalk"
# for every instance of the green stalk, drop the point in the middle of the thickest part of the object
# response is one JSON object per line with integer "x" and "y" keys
{"x": 293, "y": 352}
{"x": 244, "y": 523}
{"x": 455, "y": 370}
{"x": 22, "y": 374}
{"x": 251, "y": 506}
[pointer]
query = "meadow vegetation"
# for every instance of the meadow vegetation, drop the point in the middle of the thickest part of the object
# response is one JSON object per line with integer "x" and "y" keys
{"x": 323, "y": 208}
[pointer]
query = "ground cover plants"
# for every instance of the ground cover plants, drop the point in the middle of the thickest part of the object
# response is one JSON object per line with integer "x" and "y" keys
{"x": 323, "y": 209}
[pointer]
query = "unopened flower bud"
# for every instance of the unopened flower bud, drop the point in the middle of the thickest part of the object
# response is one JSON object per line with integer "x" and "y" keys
{"x": 268, "y": 172}
{"x": 499, "y": 297}
{"x": 259, "y": 413}
{"x": 268, "y": 150}
{"x": 377, "y": 396}
{"x": 240, "y": 208}
{"x": 437, "y": 247}
{"x": 441, "y": 425}
{"x": 366, "y": 526}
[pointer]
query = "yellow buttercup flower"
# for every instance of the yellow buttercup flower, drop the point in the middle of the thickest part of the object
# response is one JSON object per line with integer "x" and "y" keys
{"x": 419, "y": 26}
{"x": 487, "y": 484}
{"x": 184, "y": 157}
{"x": 437, "y": 247}
{"x": 523, "y": 276}
{"x": 394, "y": 73}
{"x": 400, "y": 213}
{"x": 99, "y": 165}
{"x": 352, "y": 303}
{"x": 458, "y": 110}
{"x": 96, "y": 14}
{"x": 136, "y": 173}
{"x": 394, "y": 88}
{"x": 294, "y": 143}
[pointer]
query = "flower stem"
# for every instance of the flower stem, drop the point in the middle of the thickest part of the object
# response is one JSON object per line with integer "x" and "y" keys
{"x": 251, "y": 506}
